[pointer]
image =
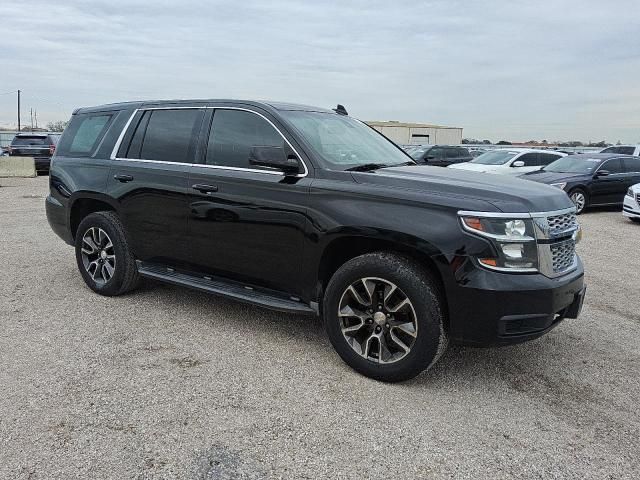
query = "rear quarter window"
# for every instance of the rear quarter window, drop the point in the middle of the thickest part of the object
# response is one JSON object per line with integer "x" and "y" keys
{"x": 84, "y": 134}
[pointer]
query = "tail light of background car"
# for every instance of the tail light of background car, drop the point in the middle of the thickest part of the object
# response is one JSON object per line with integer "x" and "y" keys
{"x": 52, "y": 149}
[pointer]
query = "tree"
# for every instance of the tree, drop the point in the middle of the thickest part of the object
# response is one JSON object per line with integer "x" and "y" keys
{"x": 486, "y": 142}
{"x": 57, "y": 126}
{"x": 504, "y": 142}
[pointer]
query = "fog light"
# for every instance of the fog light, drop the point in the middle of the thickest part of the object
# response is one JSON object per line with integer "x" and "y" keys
{"x": 512, "y": 251}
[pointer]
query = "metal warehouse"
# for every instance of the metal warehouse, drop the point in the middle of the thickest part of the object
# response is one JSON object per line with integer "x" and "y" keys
{"x": 419, "y": 133}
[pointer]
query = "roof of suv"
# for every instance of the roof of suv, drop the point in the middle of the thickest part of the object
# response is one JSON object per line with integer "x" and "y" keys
{"x": 268, "y": 105}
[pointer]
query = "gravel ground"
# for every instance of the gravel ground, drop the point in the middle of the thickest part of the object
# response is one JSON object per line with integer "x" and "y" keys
{"x": 170, "y": 383}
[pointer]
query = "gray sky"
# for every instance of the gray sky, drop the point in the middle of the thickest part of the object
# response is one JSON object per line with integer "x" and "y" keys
{"x": 515, "y": 70}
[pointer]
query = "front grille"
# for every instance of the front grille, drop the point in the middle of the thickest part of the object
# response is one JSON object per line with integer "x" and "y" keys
{"x": 559, "y": 224}
{"x": 562, "y": 255}
{"x": 638, "y": 198}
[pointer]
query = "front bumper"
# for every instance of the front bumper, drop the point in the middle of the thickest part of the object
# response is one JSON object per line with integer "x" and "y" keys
{"x": 489, "y": 308}
{"x": 630, "y": 207}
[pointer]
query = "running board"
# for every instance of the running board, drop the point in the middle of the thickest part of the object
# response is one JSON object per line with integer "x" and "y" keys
{"x": 225, "y": 288}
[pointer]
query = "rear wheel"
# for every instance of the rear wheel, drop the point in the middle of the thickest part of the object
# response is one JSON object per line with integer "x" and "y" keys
{"x": 383, "y": 315}
{"x": 104, "y": 258}
{"x": 579, "y": 198}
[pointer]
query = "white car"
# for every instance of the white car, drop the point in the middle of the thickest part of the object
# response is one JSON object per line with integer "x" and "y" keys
{"x": 511, "y": 161}
{"x": 624, "y": 149}
{"x": 631, "y": 205}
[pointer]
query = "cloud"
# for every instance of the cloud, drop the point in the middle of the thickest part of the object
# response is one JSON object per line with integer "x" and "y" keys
{"x": 501, "y": 69}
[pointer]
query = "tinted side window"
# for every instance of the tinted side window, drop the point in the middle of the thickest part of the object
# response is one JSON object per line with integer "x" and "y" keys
{"x": 612, "y": 166}
{"x": 632, "y": 164}
{"x": 529, "y": 159}
{"x": 170, "y": 135}
{"x": 452, "y": 153}
{"x": 233, "y": 133}
{"x": 437, "y": 153}
{"x": 610, "y": 150}
{"x": 626, "y": 150}
{"x": 463, "y": 152}
{"x": 83, "y": 134}
{"x": 133, "y": 151}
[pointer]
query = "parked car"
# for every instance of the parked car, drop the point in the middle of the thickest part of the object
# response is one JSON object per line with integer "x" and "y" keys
{"x": 476, "y": 152}
{"x": 624, "y": 149}
{"x": 40, "y": 146}
{"x": 439, "y": 155}
{"x": 309, "y": 211}
{"x": 631, "y": 205}
{"x": 514, "y": 161}
{"x": 591, "y": 179}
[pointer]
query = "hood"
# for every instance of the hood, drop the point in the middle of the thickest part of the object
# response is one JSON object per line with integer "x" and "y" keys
{"x": 553, "y": 177}
{"x": 472, "y": 189}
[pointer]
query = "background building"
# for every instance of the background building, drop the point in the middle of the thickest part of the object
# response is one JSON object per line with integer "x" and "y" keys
{"x": 418, "y": 133}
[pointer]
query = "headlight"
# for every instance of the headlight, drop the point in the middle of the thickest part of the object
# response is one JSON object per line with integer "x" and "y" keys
{"x": 559, "y": 185}
{"x": 513, "y": 239}
{"x": 630, "y": 193}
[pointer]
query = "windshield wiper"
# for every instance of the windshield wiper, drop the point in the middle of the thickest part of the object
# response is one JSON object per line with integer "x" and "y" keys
{"x": 366, "y": 167}
{"x": 369, "y": 167}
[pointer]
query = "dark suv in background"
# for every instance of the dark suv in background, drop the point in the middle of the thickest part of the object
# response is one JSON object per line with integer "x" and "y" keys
{"x": 439, "y": 155}
{"x": 40, "y": 146}
{"x": 307, "y": 210}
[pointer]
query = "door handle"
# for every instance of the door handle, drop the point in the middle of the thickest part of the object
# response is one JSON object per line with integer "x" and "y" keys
{"x": 205, "y": 188}
{"x": 123, "y": 178}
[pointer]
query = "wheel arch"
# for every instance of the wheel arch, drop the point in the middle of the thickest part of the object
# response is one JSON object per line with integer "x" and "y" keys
{"x": 85, "y": 203}
{"x": 345, "y": 247}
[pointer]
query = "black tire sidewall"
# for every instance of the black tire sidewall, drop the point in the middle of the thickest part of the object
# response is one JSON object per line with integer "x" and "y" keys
{"x": 113, "y": 286}
{"x": 424, "y": 296}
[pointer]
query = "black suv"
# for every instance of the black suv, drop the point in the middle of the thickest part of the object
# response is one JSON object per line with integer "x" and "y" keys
{"x": 439, "y": 155}
{"x": 40, "y": 146}
{"x": 310, "y": 211}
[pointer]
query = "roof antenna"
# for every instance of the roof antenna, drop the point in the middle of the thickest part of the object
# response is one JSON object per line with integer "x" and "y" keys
{"x": 340, "y": 110}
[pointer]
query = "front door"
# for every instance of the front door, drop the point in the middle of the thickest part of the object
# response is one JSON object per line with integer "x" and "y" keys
{"x": 246, "y": 223}
{"x": 149, "y": 179}
{"x": 606, "y": 189}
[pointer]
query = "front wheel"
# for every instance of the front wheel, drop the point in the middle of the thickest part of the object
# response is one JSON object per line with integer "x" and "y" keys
{"x": 579, "y": 198}
{"x": 384, "y": 316}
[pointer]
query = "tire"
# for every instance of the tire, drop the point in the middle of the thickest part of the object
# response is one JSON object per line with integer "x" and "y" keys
{"x": 634, "y": 220}
{"x": 577, "y": 193}
{"x": 101, "y": 241}
{"x": 381, "y": 271}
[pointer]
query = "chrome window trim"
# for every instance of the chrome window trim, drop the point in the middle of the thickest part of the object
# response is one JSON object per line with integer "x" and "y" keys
{"x": 116, "y": 147}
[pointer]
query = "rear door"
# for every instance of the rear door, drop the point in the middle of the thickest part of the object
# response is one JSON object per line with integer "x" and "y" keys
{"x": 149, "y": 180}
{"x": 246, "y": 223}
{"x": 631, "y": 173}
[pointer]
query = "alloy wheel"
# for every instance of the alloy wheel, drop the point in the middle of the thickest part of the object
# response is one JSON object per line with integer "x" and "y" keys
{"x": 98, "y": 255}
{"x": 579, "y": 200}
{"x": 377, "y": 320}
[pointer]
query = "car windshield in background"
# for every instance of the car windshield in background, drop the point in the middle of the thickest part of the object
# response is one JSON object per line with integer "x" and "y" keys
{"x": 496, "y": 157}
{"x": 417, "y": 153}
{"x": 29, "y": 141}
{"x": 344, "y": 142}
{"x": 573, "y": 164}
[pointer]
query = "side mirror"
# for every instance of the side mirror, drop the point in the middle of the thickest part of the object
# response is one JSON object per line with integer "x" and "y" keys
{"x": 518, "y": 163}
{"x": 274, "y": 157}
{"x": 429, "y": 157}
{"x": 602, "y": 173}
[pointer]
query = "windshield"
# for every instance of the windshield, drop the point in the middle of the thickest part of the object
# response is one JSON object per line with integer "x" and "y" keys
{"x": 344, "y": 142}
{"x": 573, "y": 164}
{"x": 496, "y": 157}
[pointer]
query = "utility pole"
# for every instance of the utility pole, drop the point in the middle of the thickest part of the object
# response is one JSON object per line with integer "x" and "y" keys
{"x": 35, "y": 114}
{"x": 18, "y": 110}
{"x": 31, "y": 115}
